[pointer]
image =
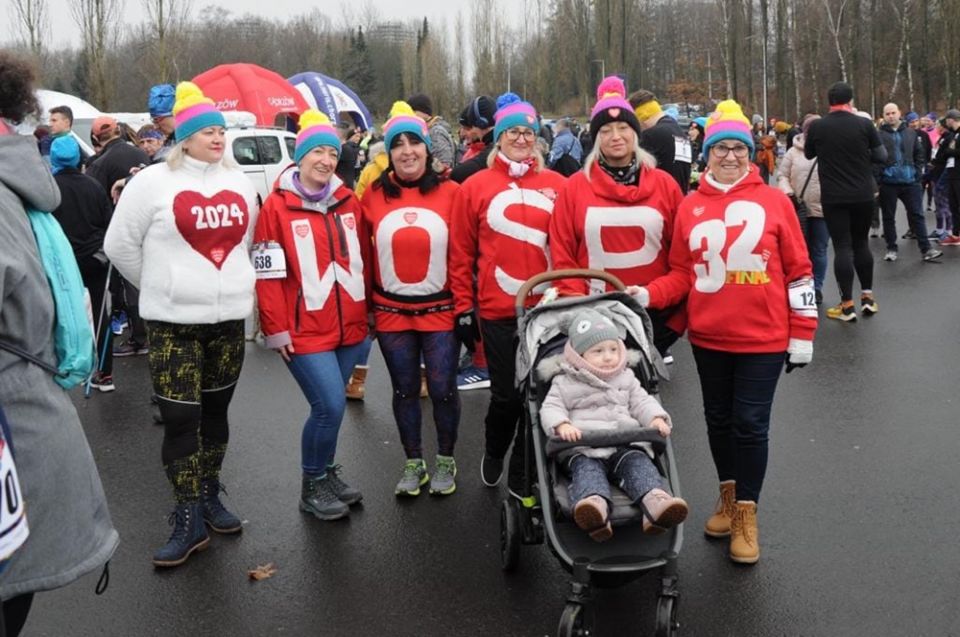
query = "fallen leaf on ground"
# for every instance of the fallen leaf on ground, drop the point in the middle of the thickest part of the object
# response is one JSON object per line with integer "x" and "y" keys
{"x": 264, "y": 571}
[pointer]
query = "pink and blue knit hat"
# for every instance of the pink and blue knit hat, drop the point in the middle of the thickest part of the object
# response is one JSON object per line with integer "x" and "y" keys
{"x": 404, "y": 120}
{"x": 612, "y": 106}
{"x": 727, "y": 122}
{"x": 513, "y": 111}
{"x": 194, "y": 111}
{"x": 315, "y": 130}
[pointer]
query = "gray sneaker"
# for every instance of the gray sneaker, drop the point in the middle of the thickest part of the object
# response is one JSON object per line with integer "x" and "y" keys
{"x": 932, "y": 254}
{"x": 444, "y": 476}
{"x": 318, "y": 498}
{"x": 414, "y": 476}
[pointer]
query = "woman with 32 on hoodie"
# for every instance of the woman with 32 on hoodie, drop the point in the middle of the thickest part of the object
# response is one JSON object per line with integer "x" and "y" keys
{"x": 313, "y": 310}
{"x": 181, "y": 234}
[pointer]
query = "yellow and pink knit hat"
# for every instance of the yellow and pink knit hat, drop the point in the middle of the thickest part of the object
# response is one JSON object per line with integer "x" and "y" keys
{"x": 404, "y": 120}
{"x": 194, "y": 111}
{"x": 315, "y": 130}
{"x": 727, "y": 122}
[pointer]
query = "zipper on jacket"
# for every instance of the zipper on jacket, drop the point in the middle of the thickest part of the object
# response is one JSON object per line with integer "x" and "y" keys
{"x": 296, "y": 311}
{"x": 342, "y": 235}
{"x": 333, "y": 259}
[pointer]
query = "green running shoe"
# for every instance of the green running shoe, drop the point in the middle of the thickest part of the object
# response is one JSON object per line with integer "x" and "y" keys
{"x": 414, "y": 476}
{"x": 444, "y": 475}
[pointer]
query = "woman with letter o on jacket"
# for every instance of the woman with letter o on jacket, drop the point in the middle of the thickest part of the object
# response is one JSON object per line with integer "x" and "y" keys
{"x": 406, "y": 218}
{"x": 739, "y": 259}
{"x": 499, "y": 231}
{"x": 181, "y": 234}
{"x": 309, "y": 260}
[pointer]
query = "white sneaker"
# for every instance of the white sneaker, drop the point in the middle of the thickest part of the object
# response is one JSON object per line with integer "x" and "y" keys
{"x": 891, "y": 255}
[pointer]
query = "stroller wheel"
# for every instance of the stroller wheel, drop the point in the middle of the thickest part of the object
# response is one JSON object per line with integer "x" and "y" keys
{"x": 509, "y": 535}
{"x": 667, "y": 621}
{"x": 572, "y": 622}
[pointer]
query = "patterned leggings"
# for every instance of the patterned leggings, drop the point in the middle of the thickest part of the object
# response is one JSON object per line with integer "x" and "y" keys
{"x": 194, "y": 369}
{"x": 401, "y": 351}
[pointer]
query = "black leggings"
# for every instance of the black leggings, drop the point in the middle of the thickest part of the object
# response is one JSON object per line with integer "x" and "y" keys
{"x": 953, "y": 190}
{"x": 848, "y": 225}
{"x": 14, "y": 614}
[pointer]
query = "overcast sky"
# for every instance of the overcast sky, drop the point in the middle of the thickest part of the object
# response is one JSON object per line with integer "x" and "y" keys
{"x": 63, "y": 28}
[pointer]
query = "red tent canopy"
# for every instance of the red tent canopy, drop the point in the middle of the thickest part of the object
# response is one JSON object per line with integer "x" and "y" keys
{"x": 248, "y": 87}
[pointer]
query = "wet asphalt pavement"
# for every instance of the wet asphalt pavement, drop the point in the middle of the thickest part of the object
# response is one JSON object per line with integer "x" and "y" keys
{"x": 858, "y": 515}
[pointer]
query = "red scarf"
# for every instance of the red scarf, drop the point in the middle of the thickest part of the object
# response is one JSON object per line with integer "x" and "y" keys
{"x": 841, "y": 107}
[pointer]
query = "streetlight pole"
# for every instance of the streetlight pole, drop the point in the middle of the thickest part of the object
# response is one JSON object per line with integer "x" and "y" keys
{"x": 603, "y": 67}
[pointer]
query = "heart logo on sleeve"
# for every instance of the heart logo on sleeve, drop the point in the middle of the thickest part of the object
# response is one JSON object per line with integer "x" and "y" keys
{"x": 213, "y": 226}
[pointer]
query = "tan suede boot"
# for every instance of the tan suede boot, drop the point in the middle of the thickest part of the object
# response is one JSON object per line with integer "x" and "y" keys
{"x": 744, "y": 536}
{"x": 423, "y": 382}
{"x": 719, "y": 523}
{"x": 356, "y": 385}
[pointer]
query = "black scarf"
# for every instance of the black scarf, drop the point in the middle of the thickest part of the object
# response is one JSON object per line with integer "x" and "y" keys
{"x": 626, "y": 175}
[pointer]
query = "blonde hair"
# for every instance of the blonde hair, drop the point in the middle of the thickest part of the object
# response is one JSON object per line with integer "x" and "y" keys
{"x": 178, "y": 152}
{"x": 645, "y": 159}
{"x": 537, "y": 156}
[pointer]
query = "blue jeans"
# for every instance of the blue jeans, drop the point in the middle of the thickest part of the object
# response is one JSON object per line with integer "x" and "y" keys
{"x": 322, "y": 377}
{"x": 631, "y": 469}
{"x": 818, "y": 238}
{"x": 738, "y": 394}
{"x": 440, "y": 351}
{"x": 912, "y": 197}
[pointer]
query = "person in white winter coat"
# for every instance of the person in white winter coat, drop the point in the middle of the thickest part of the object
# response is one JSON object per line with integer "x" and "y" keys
{"x": 597, "y": 392}
{"x": 792, "y": 175}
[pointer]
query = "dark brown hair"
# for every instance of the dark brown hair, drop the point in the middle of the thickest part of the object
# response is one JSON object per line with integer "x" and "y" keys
{"x": 17, "y": 99}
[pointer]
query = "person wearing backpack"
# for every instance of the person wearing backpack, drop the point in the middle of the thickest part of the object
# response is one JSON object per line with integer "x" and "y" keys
{"x": 73, "y": 534}
{"x": 566, "y": 154}
{"x": 181, "y": 233}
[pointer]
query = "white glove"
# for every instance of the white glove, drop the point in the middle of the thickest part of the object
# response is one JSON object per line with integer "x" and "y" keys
{"x": 641, "y": 294}
{"x": 799, "y": 353}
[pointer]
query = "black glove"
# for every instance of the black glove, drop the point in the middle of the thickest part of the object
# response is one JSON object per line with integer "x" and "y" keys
{"x": 466, "y": 328}
{"x": 793, "y": 366}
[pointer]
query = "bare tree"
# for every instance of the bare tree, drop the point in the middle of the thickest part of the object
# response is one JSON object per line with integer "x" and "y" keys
{"x": 99, "y": 29}
{"x": 165, "y": 18}
{"x": 835, "y": 24}
{"x": 33, "y": 24}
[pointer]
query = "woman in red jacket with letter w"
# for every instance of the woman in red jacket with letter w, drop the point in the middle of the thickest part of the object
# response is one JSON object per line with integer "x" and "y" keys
{"x": 313, "y": 310}
{"x": 739, "y": 259}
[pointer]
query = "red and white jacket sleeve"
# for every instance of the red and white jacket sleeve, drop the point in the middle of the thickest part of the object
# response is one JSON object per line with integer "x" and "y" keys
{"x": 564, "y": 242}
{"x": 464, "y": 231}
{"x": 672, "y": 288}
{"x": 271, "y": 301}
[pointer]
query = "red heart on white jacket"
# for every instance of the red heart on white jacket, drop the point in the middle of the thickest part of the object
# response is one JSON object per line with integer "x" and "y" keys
{"x": 213, "y": 226}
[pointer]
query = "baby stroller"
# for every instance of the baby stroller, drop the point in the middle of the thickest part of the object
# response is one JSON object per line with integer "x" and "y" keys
{"x": 543, "y": 508}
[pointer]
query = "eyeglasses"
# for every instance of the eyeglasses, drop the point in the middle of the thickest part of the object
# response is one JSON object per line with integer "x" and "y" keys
{"x": 739, "y": 151}
{"x": 513, "y": 134}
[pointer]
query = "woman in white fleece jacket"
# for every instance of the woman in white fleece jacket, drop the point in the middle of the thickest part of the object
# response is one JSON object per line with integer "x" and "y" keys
{"x": 597, "y": 392}
{"x": 181, "y": 233}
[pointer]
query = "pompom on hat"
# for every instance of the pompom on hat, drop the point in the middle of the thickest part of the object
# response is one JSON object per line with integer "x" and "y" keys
{"x": 513, "y": 111}
{"x": 194, "y": 111}
{"x": 727, "y": 122}
{"x": 404, "y": 120}
{"x": 315, "y": 130}
{"x": 612, "y": 106}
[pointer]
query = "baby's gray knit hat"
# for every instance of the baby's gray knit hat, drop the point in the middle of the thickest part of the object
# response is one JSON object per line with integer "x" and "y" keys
{"x": 588, "y": 328}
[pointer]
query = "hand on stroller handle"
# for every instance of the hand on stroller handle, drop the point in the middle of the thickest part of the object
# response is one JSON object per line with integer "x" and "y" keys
{"x": 553, "y": 275}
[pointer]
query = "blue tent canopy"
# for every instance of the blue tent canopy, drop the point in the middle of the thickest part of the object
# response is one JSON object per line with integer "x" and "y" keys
{"x": 332, "y": 97}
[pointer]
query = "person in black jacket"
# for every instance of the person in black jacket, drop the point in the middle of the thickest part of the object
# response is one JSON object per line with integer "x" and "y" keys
{"x": 899, "y": 178}
{"x": 948, "y": 155}
{"x": 476, "y": 120}
{"x": 663, "y": 138}
{"x": 116, "y": 157}
{"x": 846, "y": 147}
{"x": 84, "y": 214}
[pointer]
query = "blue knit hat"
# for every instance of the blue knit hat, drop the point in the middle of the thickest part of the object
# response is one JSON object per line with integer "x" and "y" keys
{"x": 160, "y": 102}
{"x": 64, "y": 153}
{"x": 911, "y": 117}
{"x": 513, "y": 111}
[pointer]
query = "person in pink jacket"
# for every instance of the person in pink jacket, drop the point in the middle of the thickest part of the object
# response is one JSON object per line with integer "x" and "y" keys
{"x": 596, "y": 392}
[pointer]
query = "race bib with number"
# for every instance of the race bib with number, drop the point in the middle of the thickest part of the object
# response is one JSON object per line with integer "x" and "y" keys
{"x": 681, "y": 149}
{"x": 269, "y": 261}
{"x": 13, "y": 514}
{"x": 803, "y": 300}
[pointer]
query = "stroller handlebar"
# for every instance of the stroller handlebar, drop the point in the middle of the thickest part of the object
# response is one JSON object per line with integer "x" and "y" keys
{"x": 555, "y": 445}
{"x": 543, "y": 277}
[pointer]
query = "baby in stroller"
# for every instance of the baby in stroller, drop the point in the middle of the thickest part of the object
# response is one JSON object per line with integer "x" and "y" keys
{"x": 596, "y": 391}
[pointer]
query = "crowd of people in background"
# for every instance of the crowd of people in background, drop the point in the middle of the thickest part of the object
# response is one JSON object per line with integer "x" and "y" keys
{"x": 162, "y": 221}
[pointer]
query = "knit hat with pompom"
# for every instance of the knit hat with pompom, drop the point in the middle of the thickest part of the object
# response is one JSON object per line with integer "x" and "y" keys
{"x": 194, "y": 111}
{"x": 404, "y": 120}
{"x": 513, "y": 111}
{"x": 315, "y": 130}
{"x": 612, "y": 106}
{"x": 727, "y": 122}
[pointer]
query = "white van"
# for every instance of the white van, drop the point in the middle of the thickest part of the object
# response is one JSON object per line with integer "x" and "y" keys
{"x": 262, "y": 153}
